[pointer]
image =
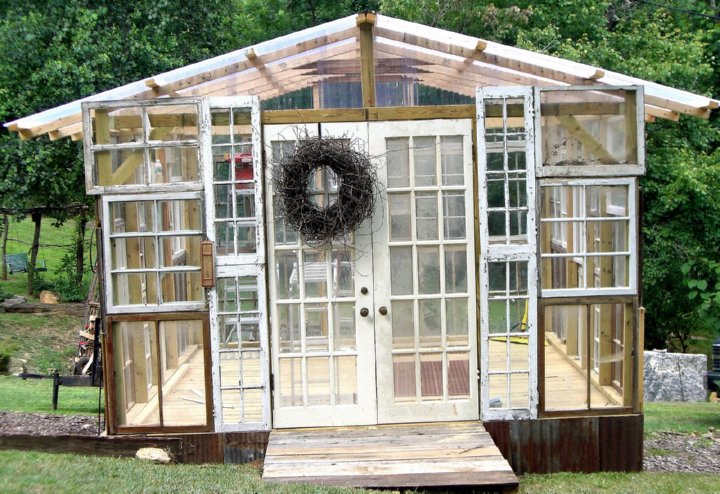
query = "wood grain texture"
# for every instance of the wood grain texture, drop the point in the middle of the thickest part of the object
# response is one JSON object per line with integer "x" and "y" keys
{"x": 404, "y": 455}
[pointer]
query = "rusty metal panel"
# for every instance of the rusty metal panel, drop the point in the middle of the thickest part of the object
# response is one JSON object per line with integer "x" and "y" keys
{"x": 555, "y": 445}
{"x": 245, "y": 447}
{"x": 621, "y": 443}
{"x": 202, "y": 448}
{"x": 500, "y": 433}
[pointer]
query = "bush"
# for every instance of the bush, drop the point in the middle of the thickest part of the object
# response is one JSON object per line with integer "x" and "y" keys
{"x": 6, "y": 351}
{"x": 65, "y": 284}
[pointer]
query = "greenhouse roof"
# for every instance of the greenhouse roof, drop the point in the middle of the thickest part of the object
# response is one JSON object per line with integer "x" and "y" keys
{"x": 402, "y": 51}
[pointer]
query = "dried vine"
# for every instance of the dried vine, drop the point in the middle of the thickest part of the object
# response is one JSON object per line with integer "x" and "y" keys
{"x": 356, "y": 193}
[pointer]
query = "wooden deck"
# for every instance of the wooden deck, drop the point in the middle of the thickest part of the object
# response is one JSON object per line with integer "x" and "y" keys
{"x": 390, "y": 456}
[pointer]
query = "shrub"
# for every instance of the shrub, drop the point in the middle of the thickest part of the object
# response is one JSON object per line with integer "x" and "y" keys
{"x": 65, "y": 284}
{"x": 6, "y": 351}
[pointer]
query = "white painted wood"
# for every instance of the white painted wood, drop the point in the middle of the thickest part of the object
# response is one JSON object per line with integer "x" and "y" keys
{"x": 364, "y": 411}
{"x": 230, "y": 266}
{"x": 443, "y": 408}
{"x": 522, "y": 252}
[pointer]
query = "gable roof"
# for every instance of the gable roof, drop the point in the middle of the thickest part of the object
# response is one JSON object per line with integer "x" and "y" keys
{"x": 431, "y": 56}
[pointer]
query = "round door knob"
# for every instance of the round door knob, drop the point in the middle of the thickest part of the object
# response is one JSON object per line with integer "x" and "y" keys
{"x": 364, "y": 290}
{"x": 383, "y": 311}
{"x": 364, "y": 312}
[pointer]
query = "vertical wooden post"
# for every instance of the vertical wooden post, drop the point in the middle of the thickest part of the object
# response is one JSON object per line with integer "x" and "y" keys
{"x": 365, "y": 22}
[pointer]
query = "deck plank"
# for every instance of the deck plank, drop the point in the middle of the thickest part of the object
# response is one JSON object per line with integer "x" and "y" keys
{"x": 404, "y": 455}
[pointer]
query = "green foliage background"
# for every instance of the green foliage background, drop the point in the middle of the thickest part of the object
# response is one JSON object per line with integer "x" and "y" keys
{"x": 55, "y": 51}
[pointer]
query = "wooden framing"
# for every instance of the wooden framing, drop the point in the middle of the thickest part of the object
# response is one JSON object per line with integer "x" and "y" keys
{"x": 112, "y": 400}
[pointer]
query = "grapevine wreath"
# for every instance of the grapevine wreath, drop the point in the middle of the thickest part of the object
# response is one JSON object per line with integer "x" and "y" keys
{"x": 357, "y": 183}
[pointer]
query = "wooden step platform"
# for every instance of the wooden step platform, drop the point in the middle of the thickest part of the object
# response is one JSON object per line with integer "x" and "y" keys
{"x": 406, "y": 455}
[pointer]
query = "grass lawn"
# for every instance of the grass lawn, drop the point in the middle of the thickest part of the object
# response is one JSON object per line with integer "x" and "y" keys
{"x": 35, "y": 395}
{"x": 681, "y": 417}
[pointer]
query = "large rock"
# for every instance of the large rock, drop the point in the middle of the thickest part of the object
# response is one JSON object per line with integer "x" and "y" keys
{"x": 674, "y": 376}
{"x": 155, "y": 455}
{"x": 12, "y": 302}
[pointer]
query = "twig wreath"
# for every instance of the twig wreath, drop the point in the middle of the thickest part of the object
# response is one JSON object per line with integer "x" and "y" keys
{"x": 357, "y": 183}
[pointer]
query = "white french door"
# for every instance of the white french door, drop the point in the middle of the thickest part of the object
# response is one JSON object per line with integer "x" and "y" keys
{"x": 425, "y": 322}
{"x": 323, "y": 345}
{"x": 382, "y": 329}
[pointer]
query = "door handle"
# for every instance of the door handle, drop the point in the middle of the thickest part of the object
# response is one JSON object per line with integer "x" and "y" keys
{"x": 364, "y": 312}
{"x": 383, "y": 311}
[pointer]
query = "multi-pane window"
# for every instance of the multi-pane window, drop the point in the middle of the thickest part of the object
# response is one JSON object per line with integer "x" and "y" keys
{"x": 153, "y": 252}
{"x": 587, "y": 236}
{"x": 234, "y": 176}
{"x": 142, "y": 145}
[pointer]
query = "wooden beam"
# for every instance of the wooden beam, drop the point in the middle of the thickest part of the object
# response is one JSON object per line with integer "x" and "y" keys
{"x": 368, "y": 114}
{"x": 589, "y": 142}
{"x": 366, "y": 22}
{"x": 266, "y": 59}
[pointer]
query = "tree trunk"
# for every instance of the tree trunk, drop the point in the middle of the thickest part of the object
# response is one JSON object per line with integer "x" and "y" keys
{"x": 80, "y": 247}
{"x": 37, "y": 219}
{"x": 6, "y": 227}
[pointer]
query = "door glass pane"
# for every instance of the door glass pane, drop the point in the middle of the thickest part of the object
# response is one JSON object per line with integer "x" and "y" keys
{"x": 290, "y": 382}
{"x": 431, "y": 375}
{"x": 316, "y": 327}
{"x": 346, "y": 392}
{"x": 398, "y": 162}
{"x": 344, "y": 326}
{"x": 428, "y": 270}
{"x": 425, "y": 161}
{"x": 404, "y": 378}
{"x": 426, "y": 218}
{"x": 318, "y": 372}
{"x": 451, "y": 154}
{"x": 289, "y": 328}
{"x": 399, "y": 210}
{"x": 401, "y": 270}
{"x": 403, "y": 327}
{"x": 430, "y": 323}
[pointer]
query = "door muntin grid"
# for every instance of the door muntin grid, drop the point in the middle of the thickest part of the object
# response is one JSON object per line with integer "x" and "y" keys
{"x": 428, "y": 242}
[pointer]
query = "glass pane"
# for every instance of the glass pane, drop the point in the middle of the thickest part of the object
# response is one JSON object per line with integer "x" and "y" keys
{"x": 289, "y": 328}
{"x": 403, "y": 324}
{"x": 291, "y": 382}
{"x": 231, "y": 406}
{"x": 518, "y": 192}
{"x": 398, "y": 162}
{"x": 342, "y": 273}
{"x": 457, "y": 321}
{"x": 428, "y": 269}
{"x": 458, "y": 375}
{"x": 404, "y": 378}
{"x": 242, "y": 130}
{"x": 251, "y": 369}
{"x": 431, "y": 375}
{"x": 401, "y": 270}
{"x": 135, "y": 289}
{"x": 344, "y": 326}
{"x": 318, "y": 377}
{"x": 133, "y": 253}
{"x": 455, "y": 269}
{"x": 287, "y": 276}
{"x": 399, "y": 210}
{"x": 227, "y": 295}
{"x": 315, "y": 274}
{"x": 496, "y": 191}
{"x": 454, "y": 215}
{"x": 425, "y": 161}
{"x": 346, "y": 392}
{"x": 173, "y": 122}
{"x": 135, "y": 367}
{"x": 316, "y": 327}
{"x": 519, "y": 390}
{"x": 224, "y": 238}
{"x": 498, "y": 391}
{"x": 131, "y": 216}
{"x": 117, "y": 126}
{"x": 220, "y": 119}
{"x": 179, "y": 215}
{"x": 496, "y": 226}
{"x": 252, "y": 405}
{"x": 181, "y": 250}
{"x": 182, "y": 287}
{"x": 176, "y": 164}
{"x": 183, "y": 373}
{"x": 430, "y": 323}
{"x": 498, "y": 322}
{"x": 451, "y": 154}
{"x": 120, "y": 167}
{"x": 426, "y": 215}
{"x": 588, "y": 127}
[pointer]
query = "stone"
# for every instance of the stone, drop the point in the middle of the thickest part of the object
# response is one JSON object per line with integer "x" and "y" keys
{"x": 17, "y": 366}
{"x": 11, "y": 302}
{"x": 156, "y": 455}
{"x": 674, "y": 376}
{"x": 48, "y": 297}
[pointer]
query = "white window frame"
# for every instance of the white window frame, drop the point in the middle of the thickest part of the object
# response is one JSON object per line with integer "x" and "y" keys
{"x": 495, "y": 252}
{"x": 112, "y": 308}
{"x": 632, "y": 244}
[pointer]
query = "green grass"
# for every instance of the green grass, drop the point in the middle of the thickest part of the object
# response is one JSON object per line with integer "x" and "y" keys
{"x": 45, "y": 341}
{"x": 681, "y": 417}
{"x": 26, "y": 472}
{"x": 35, "y": 396}
{"x": 615, "y": 483}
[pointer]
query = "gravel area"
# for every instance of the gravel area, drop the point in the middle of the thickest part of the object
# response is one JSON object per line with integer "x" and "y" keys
{"x": 41, "y": 424}
{"x": 678, "y": 452}
{"x": 664, "y": 451}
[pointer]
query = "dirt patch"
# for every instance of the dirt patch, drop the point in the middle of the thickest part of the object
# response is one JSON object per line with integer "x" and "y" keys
{"x": 41, "y": 424}
{"x": 678, "y": 452}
